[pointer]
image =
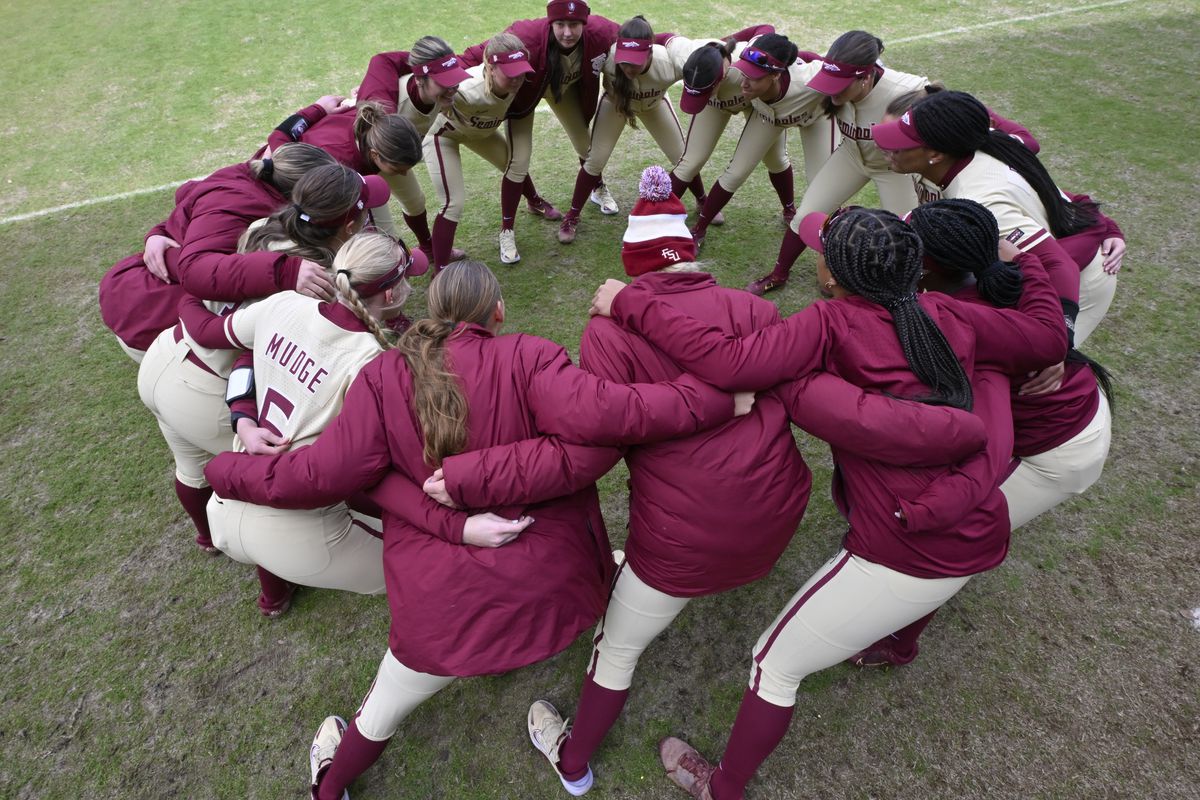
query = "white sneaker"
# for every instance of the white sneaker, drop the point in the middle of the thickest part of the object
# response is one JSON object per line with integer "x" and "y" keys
{"x": 508, "y": 247}
{"x": 547, "y": 731}
{"x": 602, "y": 197}
{"x": 324, "y": 745}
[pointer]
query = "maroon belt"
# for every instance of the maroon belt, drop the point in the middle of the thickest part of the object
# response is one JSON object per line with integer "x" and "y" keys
{"x": 192, "y": 357}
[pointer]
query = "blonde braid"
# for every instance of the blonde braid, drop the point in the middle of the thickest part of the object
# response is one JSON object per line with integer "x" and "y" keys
{"x": 363, "y": 258}
{"x": 386, "y": 338}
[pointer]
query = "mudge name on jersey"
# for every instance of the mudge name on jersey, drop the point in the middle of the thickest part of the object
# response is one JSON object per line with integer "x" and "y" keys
{"x": 297, "y": 362}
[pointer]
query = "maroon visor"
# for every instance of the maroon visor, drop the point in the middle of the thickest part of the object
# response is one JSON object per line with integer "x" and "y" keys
{"x": 512, "y": 64}
{"x": 835, "y": 76}
{"x": 899, "y": 134}
{"x": 632, "y": 51}
{"x": 447, "y": 72}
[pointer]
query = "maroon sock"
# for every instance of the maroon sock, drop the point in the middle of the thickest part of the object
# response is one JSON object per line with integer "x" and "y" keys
{"x": 598, "y": 710}
{"x": 419, "y": 225}
{"x": 443, "y": 240}
{"x": 275, "y": 590}
{"x": 195, "y": 503}
{"x": 528, "y": 189}
{"x": 584, "y": 184}
{"x": 904, "y": 641}
{"x": 718, "y": 196}
{"x": 510, "y": 198}
{"x": 697, "y": 187}
{"x": 354, "y": 756}
{"x": 784, "y": 185}
{"x": 789, "y": 251}
{"x": 678, "y": 185}
{"x": 759, "y": 728}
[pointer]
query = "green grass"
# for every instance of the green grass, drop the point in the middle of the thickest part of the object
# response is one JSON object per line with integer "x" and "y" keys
{"x": 134, "y": 666}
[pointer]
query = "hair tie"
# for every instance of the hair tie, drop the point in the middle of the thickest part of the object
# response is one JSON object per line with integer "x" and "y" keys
{"x": 902, "y": 300}
{"x": 345, "y": 272}
{"x": 994, "y": 268}
{"x": 267, "y": 173}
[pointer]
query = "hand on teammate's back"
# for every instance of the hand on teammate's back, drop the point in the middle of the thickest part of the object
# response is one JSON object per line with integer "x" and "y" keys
{"x": 260, "y": 441}
{"x": 156, "y": 262}
{"x": 435, "y": 487}
{"x": 602, "y": 300}
{"x": 314, "y": 281}
{"x": 490, "y": 530}
{"x": 743, "y": 403}
{"x": 1113, "y": 250}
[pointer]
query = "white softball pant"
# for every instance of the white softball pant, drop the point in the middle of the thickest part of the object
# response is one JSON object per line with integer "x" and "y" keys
{"x": 1096, "y": 291}
{"x": 328, "y": 548}
{"x": 635, "y": 616}
{"x": 703, "y": 133}
{"x": 189, "y": 405}
{"x": 660, "y": 121}
{"x": 847, "y": 605}
{"x": 758, "y": 140}
{"x": 520, "y": 133}
{"x": 1043, "y": 481}
{"x": 843, "y": 175}
{"x": 395, "y": 693}
{"x": 444, "y": 162}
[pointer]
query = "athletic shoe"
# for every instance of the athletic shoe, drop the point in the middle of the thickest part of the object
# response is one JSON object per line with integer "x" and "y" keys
{"x": 686, "y": 768}
{"x": 547, "y": 731}
{"x": 206, "y": 545}
{"x": 882, "y": 654}
{"x": 566, "y": 231}
{"x": 324, "y": 745}
{"x": 789, "y": 213}
{"x": 508, "y": 247}
{"x": 542, "y": 208}
{"x": 718, "y": 220}
{"x": 767, "y": 283}
{"x": 697, "y": 237}
{"x": 279, "y": 608}
{"x": 455, "y": 254}
{"x": 602, "y": 197}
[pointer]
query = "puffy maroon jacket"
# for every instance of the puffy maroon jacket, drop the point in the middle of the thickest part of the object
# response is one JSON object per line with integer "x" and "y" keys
{"x": 460, "y": 610}
{"x": 333, "y": 133}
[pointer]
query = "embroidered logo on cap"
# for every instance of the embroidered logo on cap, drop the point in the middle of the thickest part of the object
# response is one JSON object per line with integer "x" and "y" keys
{"x": 831, "y": 67}
{"x": 905, "y": 118}
{"x": 516, "y": 56}
{"x": 629, "y": 43}
{"x": 571, "y": 8}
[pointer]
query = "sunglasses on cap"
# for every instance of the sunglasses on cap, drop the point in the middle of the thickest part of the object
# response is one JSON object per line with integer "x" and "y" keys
{"x": 762, "y": 59}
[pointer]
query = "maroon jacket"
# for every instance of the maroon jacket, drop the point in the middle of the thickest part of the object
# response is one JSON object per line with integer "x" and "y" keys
{"x": 382, "y": 81}
{"x": 856, "y": 340}
{"x": 333, "y": 133}
{"x": 462, "y": 610}
{"x": 599, "y": 34}
{"x": 209, "y": 216}
{"x": 714, "y": 510}
{"x": 1082, "y": 246}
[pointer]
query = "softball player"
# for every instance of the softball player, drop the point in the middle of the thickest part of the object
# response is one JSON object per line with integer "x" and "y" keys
{"x": 946, "y": 142}
{"x": 455, "y": 611}
{"x": 773, "y": 84}
{"x": 636, "y": 78}
{"x": 306, "y": 354}
{"x": 858, "y": 90}
{"x": 474, "y": 119}
{"x": 567, "y": 50}
{"x": 139, "y": 296}
{"x": 898, "y": 563}
{"x": 417, "y": 86}
{"x": 183, "y": 383}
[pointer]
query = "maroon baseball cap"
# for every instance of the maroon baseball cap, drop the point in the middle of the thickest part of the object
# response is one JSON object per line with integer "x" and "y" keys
{"x": 811, "y": 228}
{"x": 899, "y": 134}
{"x": 447, "y": 71}
{"x": 755, "y": 63}
{"x": 695, "y": 98}
{"x": 567, "y": 9}
{"x": 512, "y": 63}
{"x": 632, "y": 51}
{"x": 835, "y": 76}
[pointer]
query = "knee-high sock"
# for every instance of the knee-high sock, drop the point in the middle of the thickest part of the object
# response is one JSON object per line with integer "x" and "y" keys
{"x": 598, "y": 710}
{"x": 510, "y": 197}
{"x": 419, "y": 225}
{"x": 443, "y": 240}
{"x": 904, "y": 641}
{"x": 789, "y": 251}
{"x": 678, "y": 185}
{"x": 354, "y": 756}
{"x": 195, "y": 503}
{"x": 584, "y": 184}
{"x": 697, "y": 187}
{"x": 718, "y": 196}
{"x": 528, "y": 189}
{"x": 274, "y": 588}
{"x": 785, "y": 186}
{"x": 759, "y": 728}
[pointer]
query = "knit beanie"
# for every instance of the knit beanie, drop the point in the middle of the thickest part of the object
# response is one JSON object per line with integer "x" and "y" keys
{"x": 658, "y": 234}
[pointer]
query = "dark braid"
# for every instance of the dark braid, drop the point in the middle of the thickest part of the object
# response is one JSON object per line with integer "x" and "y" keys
{"x": 961, "y": 236}
{"x": 957, "y": 124}
{"x": 874, "y": 254}
{"x": 1103, "y": 376}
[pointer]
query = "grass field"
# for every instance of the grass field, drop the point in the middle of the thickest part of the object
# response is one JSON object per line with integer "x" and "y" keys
{"x": 133, "y": 666}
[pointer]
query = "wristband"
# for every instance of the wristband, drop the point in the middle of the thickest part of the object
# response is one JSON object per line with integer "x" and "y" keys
{"x": 293, "y": 127}
{"x": 241, "y": 385}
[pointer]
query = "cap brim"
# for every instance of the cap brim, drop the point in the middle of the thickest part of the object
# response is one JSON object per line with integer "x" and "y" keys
{"x": 828, "y": 84}
{"x": 694, "y": 103}
{"x": 890, "y": 136}
{"x": 513, "y": 69}
{"x": 419, "y": 265}
{"x": 378, "y": 191}
{"x": 635, "y": 57}
{"x": 751, "y": 70}
{"x": 451, "y": 77}
{"x": 810, "y": 230}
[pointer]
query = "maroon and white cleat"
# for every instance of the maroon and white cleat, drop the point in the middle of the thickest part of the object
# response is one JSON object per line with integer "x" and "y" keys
{"x": 698, "y": 237}
{"x": 789, "y": 214}
{"x": 882, "y": 654}
{"x": 718, "y": 220}
{"x": 206, "y": 545}
{"x": 542, "y": 208}
{"x": 455, "y": 254}
{"x": 279, "y": 607}
{"x": 767, "y": 283}
{"x": 686, "y": 768}
{"x": 566, "y": 231}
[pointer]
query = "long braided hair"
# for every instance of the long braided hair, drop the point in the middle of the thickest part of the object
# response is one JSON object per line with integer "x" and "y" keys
{"x": 365, "y": 257}
{"x": 874, "y": 254}
{"x": 465, "y": 291}
{"x": 957, "y": 124}
{"x": 961, "y": 236}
